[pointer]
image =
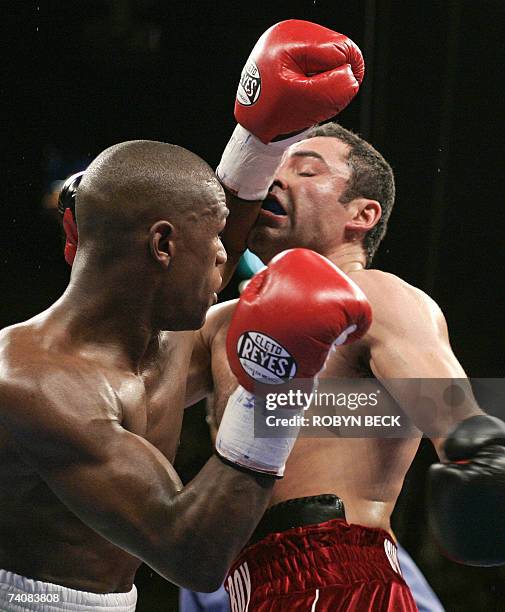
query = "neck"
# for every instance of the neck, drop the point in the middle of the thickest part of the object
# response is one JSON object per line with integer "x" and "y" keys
{"x": 101, "y": 311}
{"x": 349, "y": 256}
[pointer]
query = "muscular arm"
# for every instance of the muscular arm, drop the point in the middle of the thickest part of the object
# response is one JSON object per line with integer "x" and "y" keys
{"x": 411, "y": 354}
{"x": 68, "y": 428}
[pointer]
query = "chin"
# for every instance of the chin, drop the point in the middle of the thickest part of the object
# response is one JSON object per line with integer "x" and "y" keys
{"x": 266, "y": 250}
{"x": 197, "y": 321}
{"x": 200, "y": 320}
{"x": 187, "y": 322}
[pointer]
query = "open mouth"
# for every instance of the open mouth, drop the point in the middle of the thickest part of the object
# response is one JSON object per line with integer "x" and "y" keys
{"x": 271, "y": 204}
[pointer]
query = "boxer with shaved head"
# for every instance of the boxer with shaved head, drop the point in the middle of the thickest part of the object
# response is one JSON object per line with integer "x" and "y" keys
{"x": 92, "y": 395}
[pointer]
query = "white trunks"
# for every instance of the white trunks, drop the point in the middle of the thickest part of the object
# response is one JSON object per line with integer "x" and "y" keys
{"x": 20, "y": 594}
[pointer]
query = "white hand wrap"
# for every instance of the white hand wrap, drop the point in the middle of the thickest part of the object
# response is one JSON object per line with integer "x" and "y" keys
{"x": 247, "y": 166}
{"x": 236, "y": 442}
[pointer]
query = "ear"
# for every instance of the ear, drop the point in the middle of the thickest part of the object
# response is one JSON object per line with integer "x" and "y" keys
{"x": 366, "y": 214}
{"x": 161, "y": 242}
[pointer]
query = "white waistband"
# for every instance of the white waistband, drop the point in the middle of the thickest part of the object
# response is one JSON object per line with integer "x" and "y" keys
{"x": 20, "y": 594}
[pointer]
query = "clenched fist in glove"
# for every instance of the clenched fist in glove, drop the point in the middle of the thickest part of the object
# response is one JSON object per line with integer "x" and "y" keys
{"x": 467, "y": 495}
{"x": 298, "y": 74}
{"x": 288, "y": 318}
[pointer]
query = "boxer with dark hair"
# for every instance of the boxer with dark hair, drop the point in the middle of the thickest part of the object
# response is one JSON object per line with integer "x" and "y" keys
{"x": 326, "y": 541}
{"x": 92, "y": 395}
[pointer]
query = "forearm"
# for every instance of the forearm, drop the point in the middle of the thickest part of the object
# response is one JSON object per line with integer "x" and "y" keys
{"x": 243, "y": 214}
{"x": 429, "y": 385}
{"x": 441, "y": 404}
{"x": 131, "y": 495}
{"x": 208, "y": 523}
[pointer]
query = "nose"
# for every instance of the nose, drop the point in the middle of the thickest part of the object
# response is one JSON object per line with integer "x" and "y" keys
{"x": 279, "y": 181}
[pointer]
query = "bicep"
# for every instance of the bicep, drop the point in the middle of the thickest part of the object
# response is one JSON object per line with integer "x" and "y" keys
{"x": 113, "y": 480}
{"x": 417, "y": 366}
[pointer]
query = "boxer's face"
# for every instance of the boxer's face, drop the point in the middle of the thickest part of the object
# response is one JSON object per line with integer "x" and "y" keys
{"x": 303, "y": 208}
{"x": 199, "y": 251}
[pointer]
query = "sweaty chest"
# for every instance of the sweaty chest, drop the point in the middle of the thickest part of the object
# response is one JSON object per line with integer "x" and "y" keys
{"x": 158, "y": 416}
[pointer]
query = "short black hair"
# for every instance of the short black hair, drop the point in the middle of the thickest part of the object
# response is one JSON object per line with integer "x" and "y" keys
{"x": 371, "y": 177}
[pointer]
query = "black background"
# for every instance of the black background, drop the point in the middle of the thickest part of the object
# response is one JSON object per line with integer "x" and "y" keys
{"x": 80, "y": 76}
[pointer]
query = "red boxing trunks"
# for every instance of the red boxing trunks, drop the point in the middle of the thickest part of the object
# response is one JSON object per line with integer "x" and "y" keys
{"x": 326, "y": 567}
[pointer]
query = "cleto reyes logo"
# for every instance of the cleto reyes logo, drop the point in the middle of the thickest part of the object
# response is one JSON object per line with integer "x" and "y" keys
{"x": 249, "y": 87}
{"x": 264, "y": 359}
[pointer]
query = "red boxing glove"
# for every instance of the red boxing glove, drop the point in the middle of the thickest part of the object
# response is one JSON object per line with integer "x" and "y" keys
{"x": 66, "y": 208}
{"x": 298, "y": 74}
{"x": 290, "y": 315}
{"x": 71, "y": 238}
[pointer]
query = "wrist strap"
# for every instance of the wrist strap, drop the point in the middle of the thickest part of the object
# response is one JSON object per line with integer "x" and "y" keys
{"x": 236, "y": 440}
{"x": 246, "y": 470}
{"x": 247, "y": 166}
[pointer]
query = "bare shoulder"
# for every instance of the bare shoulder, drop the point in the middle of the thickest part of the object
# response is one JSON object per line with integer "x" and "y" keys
{"x": 396, "y": 303}
{"x": 218, "y": 318}
{"x": 221, "y": 312}
{"x": 383, "y": 286}
{"x": 167, "y": 350}
{"x": 43, "y": 390}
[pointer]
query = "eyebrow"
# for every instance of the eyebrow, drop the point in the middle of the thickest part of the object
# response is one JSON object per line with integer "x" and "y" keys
{"x": 308, "y": 154}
